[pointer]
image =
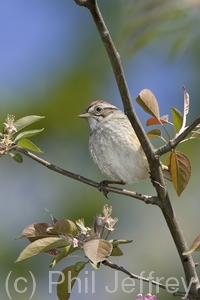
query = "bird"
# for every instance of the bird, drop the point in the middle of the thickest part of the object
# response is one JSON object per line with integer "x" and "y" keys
{"x": 113, "y": 144}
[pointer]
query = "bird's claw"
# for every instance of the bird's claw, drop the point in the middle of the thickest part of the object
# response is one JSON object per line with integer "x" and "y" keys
{"x": 104, "y": 184}
{"x": 102, "y": 187}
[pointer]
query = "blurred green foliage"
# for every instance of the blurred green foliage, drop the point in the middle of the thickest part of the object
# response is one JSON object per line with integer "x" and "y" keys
{"x": 176, "y": 23}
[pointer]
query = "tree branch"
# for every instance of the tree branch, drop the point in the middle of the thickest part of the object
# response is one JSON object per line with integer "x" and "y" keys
{"x": 149, "y": 280}
{"x": 145, "y": 198}
{"x": 173, "y": 143}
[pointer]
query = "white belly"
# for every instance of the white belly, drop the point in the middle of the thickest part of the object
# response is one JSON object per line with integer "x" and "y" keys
{"x": 118, "y": 157}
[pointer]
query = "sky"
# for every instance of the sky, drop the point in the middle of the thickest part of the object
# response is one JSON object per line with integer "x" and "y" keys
{"x": 33, "y": 42}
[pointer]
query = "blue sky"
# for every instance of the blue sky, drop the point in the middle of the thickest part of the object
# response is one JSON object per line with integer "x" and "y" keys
{"x": 34, "y": 39}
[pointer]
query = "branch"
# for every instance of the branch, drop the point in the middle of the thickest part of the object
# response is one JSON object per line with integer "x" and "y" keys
{"x": 145, "y": 198}
{"x": 149, "y": 280}
{"x": 173, "y": 143}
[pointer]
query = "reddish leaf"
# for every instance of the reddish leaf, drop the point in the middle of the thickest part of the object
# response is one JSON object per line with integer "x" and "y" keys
{"x": 154, "y": 121}
{"x": 180, "y": 169}
{"x": 97, "y": 250}
{"x": 195, "y": 246}
{"x": 148, "y": 102}
{"x": 36, "y": 231}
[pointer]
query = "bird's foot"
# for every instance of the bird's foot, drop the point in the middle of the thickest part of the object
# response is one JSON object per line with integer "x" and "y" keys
{"x": 104, "y": 184}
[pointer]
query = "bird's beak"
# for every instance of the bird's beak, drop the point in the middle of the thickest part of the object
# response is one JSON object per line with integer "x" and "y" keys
{"x": 85, "y": 115}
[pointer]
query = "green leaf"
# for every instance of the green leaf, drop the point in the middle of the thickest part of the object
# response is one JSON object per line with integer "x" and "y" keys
{"x": 66, "y": 282}
{"x": 28, "y": 133}
{"x": 17, "y": 157}
{"x": 148, "y": 102}
{"x": 64, "y": 227}
{"x": 139, "y": 24}
{"x": 79, "y": 266}
{"x": 177, "y": 119}
{"x": 41, "y": 245}
{"x": 115, "y": 243}
{"x": 65, "y": 252}
{"x": 24, "y": 143}
{"x": 155, "y": 133}
{"x": 26, "y": 121}
{"x": 180, "y": 170}
{"x": 94, "y": 265}
{"x": 116, "y": 251}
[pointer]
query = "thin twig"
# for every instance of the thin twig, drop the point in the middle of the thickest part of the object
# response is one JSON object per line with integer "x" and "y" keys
{"x": 149, "y": 280}
{"x": 145, "y": 198}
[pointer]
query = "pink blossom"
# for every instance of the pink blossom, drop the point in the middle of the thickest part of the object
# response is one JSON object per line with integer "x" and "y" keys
{"x": 146, "y": 297}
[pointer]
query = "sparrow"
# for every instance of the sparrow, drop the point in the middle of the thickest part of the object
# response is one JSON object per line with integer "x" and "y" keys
{"x": 114, "y": 146}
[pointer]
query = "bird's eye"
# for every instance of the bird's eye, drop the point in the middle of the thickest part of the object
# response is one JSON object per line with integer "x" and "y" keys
{"x": 98, "y": 109}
